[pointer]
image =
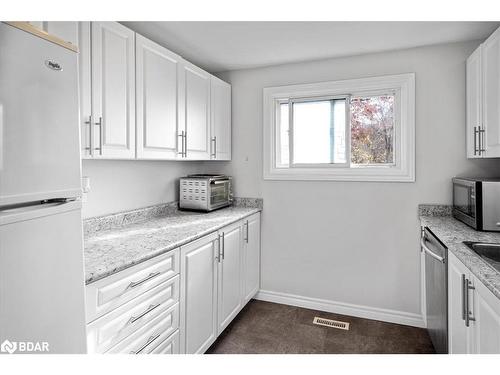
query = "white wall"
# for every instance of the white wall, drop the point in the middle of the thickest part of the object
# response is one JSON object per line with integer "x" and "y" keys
{"x": 121, "y": 185}
{"x": 355, "y": 242}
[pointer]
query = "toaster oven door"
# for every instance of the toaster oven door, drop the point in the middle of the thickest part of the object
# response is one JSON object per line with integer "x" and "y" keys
{"x": 220, "y": 193}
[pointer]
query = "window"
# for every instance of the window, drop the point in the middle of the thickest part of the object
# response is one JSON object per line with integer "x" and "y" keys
{"x": 358, "y": 130}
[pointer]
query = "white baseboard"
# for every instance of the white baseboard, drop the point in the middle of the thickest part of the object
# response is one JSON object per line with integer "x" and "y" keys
{"x": 374, "y": 313}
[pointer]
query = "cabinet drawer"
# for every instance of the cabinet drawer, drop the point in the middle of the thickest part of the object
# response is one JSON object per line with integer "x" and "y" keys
{"x": 151, "y": 335}
{"x": 113, "y": 327}
{"x": 111, "y": 292}
{"x": 168, "y": 346}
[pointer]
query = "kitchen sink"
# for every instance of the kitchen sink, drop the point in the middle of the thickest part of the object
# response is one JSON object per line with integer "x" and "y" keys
{"x": 490, "y": 252}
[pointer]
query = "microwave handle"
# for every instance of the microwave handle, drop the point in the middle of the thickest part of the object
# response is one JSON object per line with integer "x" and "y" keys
{"x": 218, "y": 182}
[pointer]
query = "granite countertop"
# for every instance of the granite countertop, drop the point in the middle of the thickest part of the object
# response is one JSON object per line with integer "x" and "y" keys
{"x": 109, "y": 251}
{"x": 452, "y": 232}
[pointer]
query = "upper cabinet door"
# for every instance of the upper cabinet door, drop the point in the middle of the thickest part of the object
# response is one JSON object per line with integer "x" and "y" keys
{"x": 194, "y": 104}
{"x": 491, "y": 94}
{"x": 473, "y": 103}
{"x": 113, "y": 90}
{"x": 85, "y": 87}
{"x": 221, "y": 119}
{"x": 157, "y": 106}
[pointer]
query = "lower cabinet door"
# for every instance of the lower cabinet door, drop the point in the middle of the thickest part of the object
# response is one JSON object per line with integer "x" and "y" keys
{"x": 230, "y": 301}
{"x": 251, "y": 256}
{"x": 487, "y": 320}
{"x": 459, "y": 336}
{"x": 198, "y": 295}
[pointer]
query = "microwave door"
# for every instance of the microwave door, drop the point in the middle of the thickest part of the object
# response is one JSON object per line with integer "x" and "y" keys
{"x": 463, "y": 199}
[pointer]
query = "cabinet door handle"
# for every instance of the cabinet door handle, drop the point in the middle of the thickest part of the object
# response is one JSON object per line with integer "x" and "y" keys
{"x": 218, "y": 248}
{"x": 475, "y": 140}
{"x": 89, "y": 123}
{"x": 480, "y": 133}
{"x": 468, "y": 317}
{"x": 185, "y": 144}
{"x": 99, "y": 123}
{"x": 182, "y": 144}
{"x": 464, "y": 292}
{"x": 214, "y": 153}
{"x": 223, "y": 245}
{"x": 246, "y": 231}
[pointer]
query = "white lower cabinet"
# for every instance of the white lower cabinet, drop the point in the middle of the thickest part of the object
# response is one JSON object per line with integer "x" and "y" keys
{"x": 230, "y": 274}
{"x": 199, "y": 294}
{"x": 473, "y": 313}
{"x": 219, "y": 274}
{"x": 180, "y": 301}
{"x": 486, "y": 309}
{"x": 251, "y": 257}
{"x": 136, "y": 310}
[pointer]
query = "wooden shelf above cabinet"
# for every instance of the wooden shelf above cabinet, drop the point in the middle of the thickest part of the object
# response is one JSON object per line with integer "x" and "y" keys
{"x": 26, "y": 26}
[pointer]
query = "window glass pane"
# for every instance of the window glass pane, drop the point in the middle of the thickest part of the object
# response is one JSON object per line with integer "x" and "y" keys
{"x": 372, "y": 129}
{"x": 283, "y": 152}
{"x": 317, "y": 132}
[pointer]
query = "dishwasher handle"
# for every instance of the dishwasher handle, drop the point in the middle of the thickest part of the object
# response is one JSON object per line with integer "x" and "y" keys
{"x": 429, "y": 251}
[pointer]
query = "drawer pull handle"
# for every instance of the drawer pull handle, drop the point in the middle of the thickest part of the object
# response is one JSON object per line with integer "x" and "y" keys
{"x": 150, "y": 340}
{"x": 134, "y": 284}
{"x": 134, "y": 319}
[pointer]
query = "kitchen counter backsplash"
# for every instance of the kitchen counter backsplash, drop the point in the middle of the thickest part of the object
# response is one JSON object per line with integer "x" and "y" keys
{"x": 434, "y": 210}
{"x": 114, "y": 221}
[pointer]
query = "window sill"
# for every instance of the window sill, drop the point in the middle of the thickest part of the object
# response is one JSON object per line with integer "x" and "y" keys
{"x": 370, "y": 174}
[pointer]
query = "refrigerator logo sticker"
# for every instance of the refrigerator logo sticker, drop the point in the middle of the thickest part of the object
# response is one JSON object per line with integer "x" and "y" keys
{"x": 53, "y": 65}
{"x": 24, "y": 346}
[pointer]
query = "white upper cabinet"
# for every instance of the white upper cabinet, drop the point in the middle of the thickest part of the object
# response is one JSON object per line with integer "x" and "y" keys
{"x": 85, "y": 86}
{"x": 138, "y": 100}
{"x": 483, "y": 96}
{"x": 221, "y": 120}
{"x": 491, "y": 94}
{"x": 157, "y": 106}
{"x": 194, "y": 104}
{"x": 113, "y": 90}
{"x": 473, "y": 103}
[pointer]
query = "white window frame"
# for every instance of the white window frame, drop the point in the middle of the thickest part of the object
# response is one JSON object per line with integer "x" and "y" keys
{"x": 403, "y": 169}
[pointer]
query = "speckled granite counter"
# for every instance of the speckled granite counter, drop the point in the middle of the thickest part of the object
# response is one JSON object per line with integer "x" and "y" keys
{"x": 110, "y": 251}
{"x": 452, "y": 232}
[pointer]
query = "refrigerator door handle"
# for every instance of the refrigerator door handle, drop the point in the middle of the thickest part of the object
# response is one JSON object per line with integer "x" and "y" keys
{"x": 28, "y": 212}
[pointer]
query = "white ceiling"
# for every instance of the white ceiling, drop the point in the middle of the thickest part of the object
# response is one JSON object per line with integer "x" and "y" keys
{"x": 221, "y": 46}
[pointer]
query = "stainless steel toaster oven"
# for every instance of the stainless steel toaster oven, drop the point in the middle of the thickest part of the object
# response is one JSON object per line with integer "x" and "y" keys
{"x": 204, "y": 192}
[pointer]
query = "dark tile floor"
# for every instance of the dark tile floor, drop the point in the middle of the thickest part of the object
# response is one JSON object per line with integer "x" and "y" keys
{"x": 264, "y": 327}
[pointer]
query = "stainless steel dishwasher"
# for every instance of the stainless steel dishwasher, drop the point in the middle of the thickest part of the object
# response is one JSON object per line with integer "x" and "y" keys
{"x": 436, "y": 289}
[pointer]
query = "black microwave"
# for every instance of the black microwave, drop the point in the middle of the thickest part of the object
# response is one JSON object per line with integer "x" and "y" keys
{"x": 476, "y": 202}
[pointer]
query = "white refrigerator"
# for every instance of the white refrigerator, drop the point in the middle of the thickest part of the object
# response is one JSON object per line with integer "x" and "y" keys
{"x": 41, "y": 245}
